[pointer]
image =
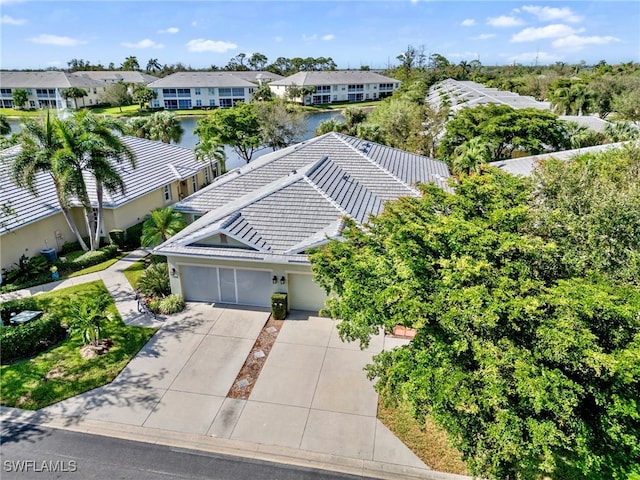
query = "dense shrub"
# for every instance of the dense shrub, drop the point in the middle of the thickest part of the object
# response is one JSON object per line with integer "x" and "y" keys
{"x": 16, "y": 306}
{"x": 90, "y": 258}
{"x": 31, "y": 338}
{"x": 27, "y": 268}
{"x": 172, "y": 304}
{"x": 72, "y": 246}
{"x": 132, "y": 236}
{"x": 117, "y": 238}
{"x": 279, "y": 306}
{"x": 154, "y": 282}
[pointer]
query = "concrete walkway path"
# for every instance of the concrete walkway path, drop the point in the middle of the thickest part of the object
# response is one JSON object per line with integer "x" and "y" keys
{"x": 311, "y": 405}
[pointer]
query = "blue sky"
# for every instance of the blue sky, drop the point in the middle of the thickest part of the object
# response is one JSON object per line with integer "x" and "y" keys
{"x": 354, "y": 33}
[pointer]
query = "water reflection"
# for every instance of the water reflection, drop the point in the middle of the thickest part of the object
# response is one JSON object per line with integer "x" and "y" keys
{"x": 190, "y": 140}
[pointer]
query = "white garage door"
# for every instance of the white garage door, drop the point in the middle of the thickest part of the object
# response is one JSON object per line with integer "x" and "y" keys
{"x": 304, "y": 294}
{"x": 227, "y": 285}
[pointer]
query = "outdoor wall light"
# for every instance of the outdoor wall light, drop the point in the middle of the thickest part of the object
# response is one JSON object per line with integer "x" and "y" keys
{"x": 274, "y": 280}
{"x": 174, "y": 273}
{"x": 282, "y": 280}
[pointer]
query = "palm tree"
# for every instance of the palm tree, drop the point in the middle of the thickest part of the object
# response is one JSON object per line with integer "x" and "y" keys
{"x": 153, "y": 65}
{"x": 165, "y": 126}
{"x": 208, "y": 150}
{"x": 470, "y": 155}
{"x": 41, "y": 152}
{"x": 162, "y": 224}
{"x": 90, "y": 145}
{"x": 561, "y": 101}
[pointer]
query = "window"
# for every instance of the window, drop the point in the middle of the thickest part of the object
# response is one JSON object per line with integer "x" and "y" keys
{"x": 194, "y": 183}
{"x": 184, "y": 92}
{"x": 170, "y": 104}
{"x": 207, "y": 176}
{"x": 238, "y": 92}
{"x": 184, "y": 104}
{"x": 198, "y": 103}
{"x": 167, "y": 193}
{"x": 323, "y": 89}
{"x": 224, "y": 92}
{"x": 212, "y": 91}
{"x": 197, "y": 91}
{"x": 169, "y": 92}
{"x": 226, "y": 102}
{"x": 212, "y": 102}
{"x": 356, "y": 87}
{"x": 6, "y": 92}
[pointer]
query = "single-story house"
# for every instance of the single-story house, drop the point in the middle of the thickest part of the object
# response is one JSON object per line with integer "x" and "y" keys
{"x": 467, "y": 94}
{"x": 524, "y": 166}
{"x": 253, "y": 226}
{"x": 45, "y": 88}
{"x": 163, "y": 175}
{"x": 337, "y": 86}
{"x": 187, "y": 90}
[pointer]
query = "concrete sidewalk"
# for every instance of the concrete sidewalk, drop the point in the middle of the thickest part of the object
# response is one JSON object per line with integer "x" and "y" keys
{"x": 311, "y": 405}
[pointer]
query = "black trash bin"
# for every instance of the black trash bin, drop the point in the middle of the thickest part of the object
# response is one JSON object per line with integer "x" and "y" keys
{"x": 50, "y": 254}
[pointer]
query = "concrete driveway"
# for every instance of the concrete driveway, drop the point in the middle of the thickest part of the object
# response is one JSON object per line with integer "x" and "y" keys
{"x": 312, "y": 394}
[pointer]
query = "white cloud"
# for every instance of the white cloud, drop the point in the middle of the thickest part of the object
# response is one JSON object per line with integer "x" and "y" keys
{"x": 57, "y": 40}
{"x": 463, "y": 55}
{"x": 549, "y": 14}
{"x": 309, "y": 38}
{"x": 468, "y": 22}
{"x": 328, "y": 37}
{"x": 7, "y": 20}
{"x": 531, "y": 34}
{"x": 483, "y": 36}
{"x": 577, "y": 41}
{"x": 203, "y": 45}
{"x": 170, "y": 30}
{"x": 539, "y": 58}
{"x": 146, "y": 43}
{"x": 504, "y": 21}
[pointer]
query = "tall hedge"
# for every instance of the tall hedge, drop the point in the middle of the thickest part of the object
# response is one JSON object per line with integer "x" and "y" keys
{"x": 31, "y": 338}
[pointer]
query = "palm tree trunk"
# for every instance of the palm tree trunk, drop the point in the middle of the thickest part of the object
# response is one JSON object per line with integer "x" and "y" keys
{"x": 70, "y": 221}
{"x": 88, "y": 225}
{"x": 99, "y": 195}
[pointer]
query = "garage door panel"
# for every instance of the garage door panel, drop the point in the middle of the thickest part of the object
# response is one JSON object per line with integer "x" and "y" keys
{"x": 200, "y": 284}
{"x": 254, "y": 287}
{"x": 304, "y": 293}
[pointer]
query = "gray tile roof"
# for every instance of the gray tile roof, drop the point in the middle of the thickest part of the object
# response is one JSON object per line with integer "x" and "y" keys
{"x": 157, "y": 164}
{"x": 589, "y": 121}
{"x": 48, "y": 79}
{"x": 212, "y": 79}
{"x": 295, "y": 198}
{"x": 334, "y": 77}
{"x": 113, "y": 76}
{"x": 462, "y": 94}
{"x": 524, "y": 166}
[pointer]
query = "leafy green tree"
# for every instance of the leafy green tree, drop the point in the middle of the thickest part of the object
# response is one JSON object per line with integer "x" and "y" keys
{"x": 237, "y": 127}
{"x": 257, "y": 61}
{"x": 143, "y": 95}
{"x": 41, "y": 148}
{"x": 130, "y": 64}
{"x": 400, "y": 121}
{"x": 627, "y": 105}
{"x": 75, "y": 93}
{"x": 532, "y": 372}
{"x": 161, "y": 224}
{"x": 165, "y": 126}
{"x": 590, "y": 207}
{"x": 5, "y": 127}
{"x": 262, "y": 93}
{"x": 20, "y": 98}
{"x": 280, "y": 124}
{"x": 527, "y": 130}
{"x": 117, "y": 95}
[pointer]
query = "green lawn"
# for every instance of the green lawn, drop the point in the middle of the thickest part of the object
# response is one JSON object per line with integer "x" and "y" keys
{"x": 99, "y": 267}
{"x": 134, "y": 272}
{"x": 61, "y": 372}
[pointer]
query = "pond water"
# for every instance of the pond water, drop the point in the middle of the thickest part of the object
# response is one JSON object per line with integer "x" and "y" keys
{"x": 190, "y": 140}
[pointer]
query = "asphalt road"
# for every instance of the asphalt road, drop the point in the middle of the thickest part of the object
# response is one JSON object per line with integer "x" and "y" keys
{"x": 33, "y": 452}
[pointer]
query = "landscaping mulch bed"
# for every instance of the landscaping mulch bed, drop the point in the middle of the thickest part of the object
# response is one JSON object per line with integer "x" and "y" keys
{"x": 248, "y": 375}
